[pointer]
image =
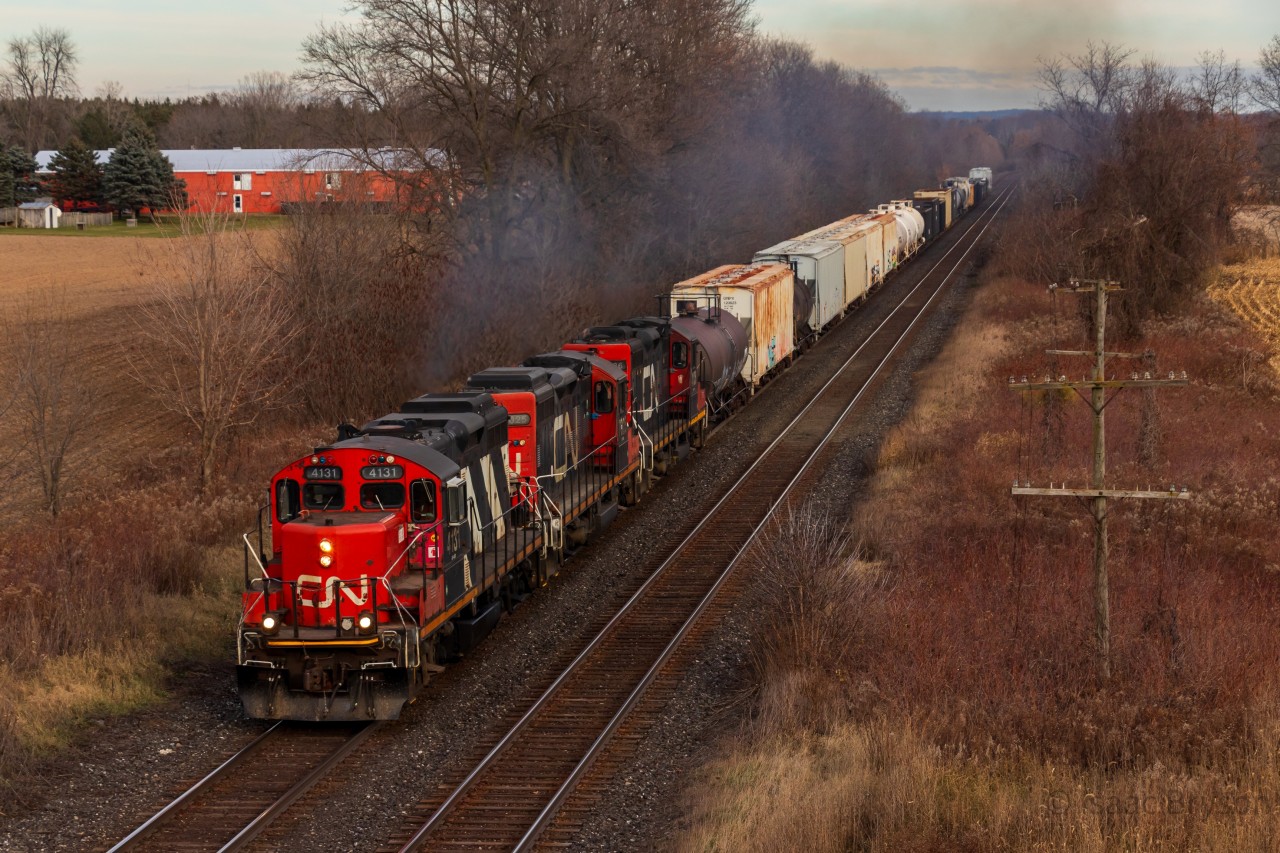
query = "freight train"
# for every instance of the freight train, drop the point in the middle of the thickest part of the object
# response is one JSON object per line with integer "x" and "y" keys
{"x": 398, "y": 546}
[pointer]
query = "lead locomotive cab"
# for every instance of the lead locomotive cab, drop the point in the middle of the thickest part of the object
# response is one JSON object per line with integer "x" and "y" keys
{"x": 385, "y": 549}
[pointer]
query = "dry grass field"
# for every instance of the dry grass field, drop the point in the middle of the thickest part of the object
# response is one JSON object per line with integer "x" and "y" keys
{"x": 134, "y": 544}
{"x": 91, "y": 288}
{"x": 961, "y": 710}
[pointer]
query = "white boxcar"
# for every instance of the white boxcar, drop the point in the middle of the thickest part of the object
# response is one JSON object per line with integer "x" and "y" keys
{"x": 818, "y": 265}
{"x": 761, "y": 297}
{"x": 864, "y": 262}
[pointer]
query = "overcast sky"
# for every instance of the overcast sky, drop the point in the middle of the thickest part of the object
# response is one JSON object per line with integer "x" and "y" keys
{"x": 940, "y": 54}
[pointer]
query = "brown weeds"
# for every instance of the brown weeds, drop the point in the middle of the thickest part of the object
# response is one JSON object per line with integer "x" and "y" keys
{"x": 974, "y": 718}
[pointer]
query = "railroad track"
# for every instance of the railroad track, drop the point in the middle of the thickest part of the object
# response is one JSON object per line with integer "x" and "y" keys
{"x": 230, "y": 807}
{"x": 517, "y": 790}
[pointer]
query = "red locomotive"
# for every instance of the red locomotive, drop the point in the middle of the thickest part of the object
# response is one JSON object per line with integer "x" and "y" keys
{"x": 399, "y": 545}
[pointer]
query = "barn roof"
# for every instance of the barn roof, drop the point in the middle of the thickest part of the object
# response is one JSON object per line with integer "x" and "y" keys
{"x": 256, "y": 159}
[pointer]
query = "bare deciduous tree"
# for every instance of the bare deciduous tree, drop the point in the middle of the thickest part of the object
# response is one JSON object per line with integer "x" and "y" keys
{"x": 54, "y": 402}
{"x": 41, "y": 69}
{"x": 557, "y": 95}
{"x": 1156, "y": 164}
{"x": 266, "y": 99}
{"x": 1218, "y": 85}
{"x": 359, "y": 296}
{"x": 1265, "y": 86}
{"x": 214, "y": 336}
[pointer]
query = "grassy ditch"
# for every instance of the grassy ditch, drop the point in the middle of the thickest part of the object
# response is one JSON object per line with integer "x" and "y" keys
{"x": 940, "y": 692}
{"x": 105, "y": 602}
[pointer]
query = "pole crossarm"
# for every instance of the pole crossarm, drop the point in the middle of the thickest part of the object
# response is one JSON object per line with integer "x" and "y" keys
{"x": 1097, "y": 383}
{"x": 1093, "y": 354}
{"x": 1087, "y": 285}
{"x": 1064, "y": 492}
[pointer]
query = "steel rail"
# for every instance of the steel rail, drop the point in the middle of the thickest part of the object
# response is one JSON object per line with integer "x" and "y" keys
{"x": 161, "y": 817}
{"x": 268, "y": 816}
{"x": 549, "y": 811}
{"x": 443, "y": 811}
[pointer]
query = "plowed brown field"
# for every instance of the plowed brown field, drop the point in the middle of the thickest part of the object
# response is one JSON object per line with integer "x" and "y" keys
{"x": 95, "y": 285}
{"x": 96, "y": 273}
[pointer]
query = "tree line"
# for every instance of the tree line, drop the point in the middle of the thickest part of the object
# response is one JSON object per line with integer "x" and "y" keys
{"x": 1135, "y": 170}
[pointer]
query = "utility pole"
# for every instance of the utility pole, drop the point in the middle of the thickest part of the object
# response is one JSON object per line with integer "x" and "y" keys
{"x": 1097, "y": 493}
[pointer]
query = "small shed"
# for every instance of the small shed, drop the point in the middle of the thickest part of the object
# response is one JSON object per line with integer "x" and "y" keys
{"x": 39, "y": 214}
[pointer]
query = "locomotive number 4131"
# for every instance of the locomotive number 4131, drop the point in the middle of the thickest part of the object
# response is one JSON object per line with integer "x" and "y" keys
{"x": 382, "y": 472}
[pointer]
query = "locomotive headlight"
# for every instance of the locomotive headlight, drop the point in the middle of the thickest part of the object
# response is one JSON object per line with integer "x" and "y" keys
{"x": 365, "y": 622}
{"x": 270, "y": 623}
{"x": 326, "y": 560}
{"x": 326, "y": 547}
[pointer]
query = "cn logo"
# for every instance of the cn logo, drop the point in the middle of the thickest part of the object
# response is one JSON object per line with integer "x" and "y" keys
{"x": 357, "y": 594}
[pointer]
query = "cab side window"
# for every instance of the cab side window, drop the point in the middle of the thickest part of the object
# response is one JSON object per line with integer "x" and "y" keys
{"x": 680, "y": 355}
{"x": 422, "y": 501}
{"x": 288, "y": 500}
{"x": 604, "y": 398}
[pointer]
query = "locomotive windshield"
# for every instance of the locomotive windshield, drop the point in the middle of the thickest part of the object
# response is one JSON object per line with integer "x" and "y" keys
{"x": 382, "y": 495}
{"x": 322, "y": 496}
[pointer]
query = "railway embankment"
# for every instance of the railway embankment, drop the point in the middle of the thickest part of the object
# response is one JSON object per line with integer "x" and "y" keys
{"x": 935, "y": 688}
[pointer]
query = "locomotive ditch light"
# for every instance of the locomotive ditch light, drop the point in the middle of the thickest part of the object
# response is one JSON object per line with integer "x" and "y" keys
{"x": 326, "y": 560}
{"x": 326, "y": 546}
{"x": 365, "y": 622}
{"x": 270, "y": 622}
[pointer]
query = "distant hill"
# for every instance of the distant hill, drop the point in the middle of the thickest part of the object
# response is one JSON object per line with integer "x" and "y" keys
{"x": 975, "y": 114}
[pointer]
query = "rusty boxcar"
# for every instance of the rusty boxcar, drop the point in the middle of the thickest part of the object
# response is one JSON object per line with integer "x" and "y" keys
{"x": 762, "y": 297}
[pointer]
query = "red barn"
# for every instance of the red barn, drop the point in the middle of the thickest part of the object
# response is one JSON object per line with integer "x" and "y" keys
{"x": 263, "y": 180}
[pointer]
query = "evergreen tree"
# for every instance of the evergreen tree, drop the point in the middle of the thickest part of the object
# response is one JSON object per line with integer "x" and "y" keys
{"x": 17, "y": 177}
{"x": 94, "y": 127}
{"x": 76, "y": 175}
{"x": 138, "y": 175}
